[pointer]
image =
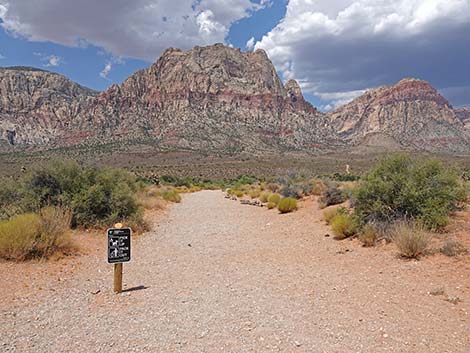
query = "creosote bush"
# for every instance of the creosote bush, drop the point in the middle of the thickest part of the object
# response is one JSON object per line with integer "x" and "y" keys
{"x": 400, "y": 188}
{"x": 95, "y": 197}
{"x": 287, "y": 204}
{"x": 410, "y": 238}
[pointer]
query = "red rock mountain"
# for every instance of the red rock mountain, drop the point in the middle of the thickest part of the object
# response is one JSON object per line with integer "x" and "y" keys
{"x": 464, "y": 115}
{"x": 219, "y": 99}
{"x": 410, "y": 114}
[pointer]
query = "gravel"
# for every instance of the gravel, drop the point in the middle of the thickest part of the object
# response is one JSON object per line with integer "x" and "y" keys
{"x": 218, "y": 276}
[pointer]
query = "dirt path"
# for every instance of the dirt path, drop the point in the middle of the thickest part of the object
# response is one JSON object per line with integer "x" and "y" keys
{"x": 217, "y": 276}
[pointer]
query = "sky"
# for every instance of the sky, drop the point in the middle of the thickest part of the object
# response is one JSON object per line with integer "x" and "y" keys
{"x": 335, "y": 49}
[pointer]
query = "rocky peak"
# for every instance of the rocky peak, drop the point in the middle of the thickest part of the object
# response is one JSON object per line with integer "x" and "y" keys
{"x": 409, "y": 90}
{"x": 412, "y": 112}
{"x": 293, "y": 88}
{"x": 464, "y": 115}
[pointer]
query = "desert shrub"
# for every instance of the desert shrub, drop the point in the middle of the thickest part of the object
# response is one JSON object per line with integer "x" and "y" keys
{"x": 329, "y": 213}
{"x": 172, "y": 196}
{"x": 287, "y": 204}
{"x": 238, "y": 193}
{"x": 264, "y": 196}
{"x": 274, "y": 198}
{"x": 343, "y": 226}
{"x": 452, "y": 248}
{"x": 400, "y": 187}
{"x": 18, "y": 235}
{"x": 318, "y": 187}
{"x": 410, "y": 238}
{"x": 35, "y": 235}
{"x": 254, "y": 193}
{"x": 108, "y": 200}
{"x": 273, "y": 187}
{"x": 291, "y": 192}
{"x": 368, "y": 235}
{"x": 54, "y": 232}
{"x": 332, "y": 195}
{"x": 271, "y": 205}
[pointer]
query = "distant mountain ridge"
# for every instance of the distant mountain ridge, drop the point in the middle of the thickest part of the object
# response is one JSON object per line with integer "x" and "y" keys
{"x": 220, "y": 99}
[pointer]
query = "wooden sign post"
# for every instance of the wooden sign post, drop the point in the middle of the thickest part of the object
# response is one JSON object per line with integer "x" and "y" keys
{"x": 119, "y": 251}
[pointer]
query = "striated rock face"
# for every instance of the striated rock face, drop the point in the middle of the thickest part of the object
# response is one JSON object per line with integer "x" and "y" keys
{"x": 37, "y": 106}
{"x": 412, "y": 112}
{"x": 464, "y": 115}
{"x": 210, "y": 98}
{"x": 219, "y": 99}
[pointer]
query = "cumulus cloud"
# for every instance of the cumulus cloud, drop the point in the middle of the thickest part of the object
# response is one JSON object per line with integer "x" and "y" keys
{"x": 49, "y": 60}
{"x": 106, "y": 70}
{"x": 337, "y": 48}
{"x": 250, "y": 44}
{"x": 138, "y": 29}
{"x": 53, "y": 60}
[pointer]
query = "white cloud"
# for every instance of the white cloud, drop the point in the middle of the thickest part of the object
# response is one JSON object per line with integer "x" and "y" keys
{"x": 250, "y": 44}
{"x": 49, "y": 60}
{"x": 337, "y": 48}
{"x": 138, "y": 29}
{"x": 106, "y": 70}
{"x": 53, "y": 60}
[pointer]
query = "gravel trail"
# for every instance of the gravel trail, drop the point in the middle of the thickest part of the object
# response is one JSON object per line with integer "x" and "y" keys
{"x": 218, "y": 276}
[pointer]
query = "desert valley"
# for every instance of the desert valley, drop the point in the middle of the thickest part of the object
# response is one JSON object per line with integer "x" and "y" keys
{"x": 260, "y": 222}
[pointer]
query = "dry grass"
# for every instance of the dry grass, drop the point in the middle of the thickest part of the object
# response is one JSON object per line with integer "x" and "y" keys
{"x": 36, "y": 235}
{"x": 411, "y": 239}
{"x": 329, "y": 213}
{"x": 452, "y": 248}
{"x": 368, "y": 235}
{"x": 264, "y": 197}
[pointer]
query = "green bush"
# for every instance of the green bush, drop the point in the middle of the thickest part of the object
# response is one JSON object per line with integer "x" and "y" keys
{"x": 343, "y": 226}
{"x": 400, "y": 187}
{"x": 270, "y": 205}
{"x": 264, "y": 196}
{"x": 329, "y": 213}
{"x": 287, "y": 204}
{"x": 274, "y": 198}
{"x": 33, "y": 235}
{"x": 94, "y": 196}
{"x": 172, "y": 196}
{"x": 254, "y": 193}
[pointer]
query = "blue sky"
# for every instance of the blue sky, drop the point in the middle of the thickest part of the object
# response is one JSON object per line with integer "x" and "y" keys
{"x": 336, "y": 49}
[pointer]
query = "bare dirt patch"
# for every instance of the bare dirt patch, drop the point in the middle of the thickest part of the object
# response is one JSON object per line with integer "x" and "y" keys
{"x": 217, "y": 276}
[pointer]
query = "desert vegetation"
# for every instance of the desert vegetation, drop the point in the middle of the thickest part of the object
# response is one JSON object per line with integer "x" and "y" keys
{"x": 38, "y": 210}
{"x": 401, "y": 199}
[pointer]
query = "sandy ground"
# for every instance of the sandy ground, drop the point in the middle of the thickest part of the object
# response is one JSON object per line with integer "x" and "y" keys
{"x": 218, "y": 276}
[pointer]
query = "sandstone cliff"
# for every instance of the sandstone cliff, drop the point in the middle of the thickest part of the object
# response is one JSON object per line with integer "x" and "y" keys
{"x": 411, "y": 112}
{"x": 37, "y": 106}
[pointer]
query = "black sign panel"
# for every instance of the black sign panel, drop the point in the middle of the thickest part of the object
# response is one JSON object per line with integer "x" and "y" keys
{"x": 119, "y": 245}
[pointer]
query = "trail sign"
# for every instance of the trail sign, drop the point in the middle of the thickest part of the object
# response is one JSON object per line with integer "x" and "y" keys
{"x": 119, "y": 245}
